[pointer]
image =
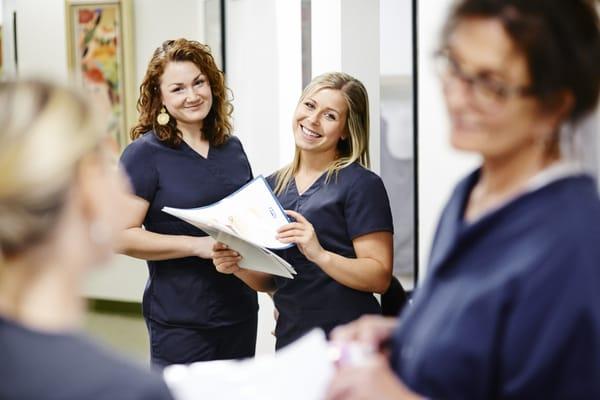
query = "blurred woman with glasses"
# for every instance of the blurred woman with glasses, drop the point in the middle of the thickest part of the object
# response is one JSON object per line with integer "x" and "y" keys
{"x": 511, "y": 306}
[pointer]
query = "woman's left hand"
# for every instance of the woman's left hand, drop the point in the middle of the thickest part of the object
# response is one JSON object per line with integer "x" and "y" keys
{"x": 303, "y": 235}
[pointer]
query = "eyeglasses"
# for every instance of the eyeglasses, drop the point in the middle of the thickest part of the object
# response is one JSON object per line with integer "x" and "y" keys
{"x": 488, "y": 94}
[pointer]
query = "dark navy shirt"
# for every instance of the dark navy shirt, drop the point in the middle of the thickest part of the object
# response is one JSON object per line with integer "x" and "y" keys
{"x": 349, "y": 205}
{"x": 511, "y": 305}
{"x": 188, "y": 291}
{"x": 36, "y": 365}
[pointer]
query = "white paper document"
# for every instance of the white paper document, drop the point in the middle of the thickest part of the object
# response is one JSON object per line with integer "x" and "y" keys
{"x": 247, "y": 221}
{"x": 300, "y": 371}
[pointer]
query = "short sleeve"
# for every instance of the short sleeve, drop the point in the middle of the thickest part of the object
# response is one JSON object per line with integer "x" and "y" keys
{"x": 138, "y": 162}
{"x": 367, "y": 206}
{"x": 238, "y": 143}
{"x": 272, "y": 180}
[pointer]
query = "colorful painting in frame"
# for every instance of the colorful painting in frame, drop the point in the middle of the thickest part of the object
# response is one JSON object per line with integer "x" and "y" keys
{"x": 99, "y": 36}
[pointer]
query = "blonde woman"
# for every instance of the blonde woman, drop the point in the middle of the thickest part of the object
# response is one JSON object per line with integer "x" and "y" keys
{"x": 60, "y": 202}
{"x": 343, "y": 224}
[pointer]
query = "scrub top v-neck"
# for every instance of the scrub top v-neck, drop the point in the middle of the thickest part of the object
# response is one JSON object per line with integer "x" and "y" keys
{"x": 188, "y": 291}
{"x": 350, "y": 204}
{"x": 510, "y": 306}
{"x": 186, "y": 147}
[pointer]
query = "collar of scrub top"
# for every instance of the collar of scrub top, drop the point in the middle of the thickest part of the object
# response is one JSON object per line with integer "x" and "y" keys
{"x": 552, "y": 173}
{"x": 450, "y": 228}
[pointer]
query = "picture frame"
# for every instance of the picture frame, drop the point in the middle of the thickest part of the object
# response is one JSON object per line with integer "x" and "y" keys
{"x": 101, "y": 60}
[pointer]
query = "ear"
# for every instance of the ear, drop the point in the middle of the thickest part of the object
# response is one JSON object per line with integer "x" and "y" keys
{"x": 560, "y": 107}
{"x": 554, "y": 113}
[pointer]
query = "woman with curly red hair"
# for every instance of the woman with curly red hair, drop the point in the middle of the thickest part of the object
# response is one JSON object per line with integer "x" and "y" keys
{"x": 184, "y": 155}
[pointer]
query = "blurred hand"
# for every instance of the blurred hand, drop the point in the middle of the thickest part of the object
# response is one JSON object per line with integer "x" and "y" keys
{"x": 373, "y": 379}
{"x": 303, "y": 235}
{"x": 371, "y": 330}
{"x": 225, "y": 260}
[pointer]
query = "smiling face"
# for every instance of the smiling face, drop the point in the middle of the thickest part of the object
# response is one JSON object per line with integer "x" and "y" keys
{"x": 481, "y": 53}
{"x": 186, "y": 93}
{"x": 319, "y": 122}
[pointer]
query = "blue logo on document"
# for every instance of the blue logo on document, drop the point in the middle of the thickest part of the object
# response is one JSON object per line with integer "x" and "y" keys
{"x": 272, "y": 212}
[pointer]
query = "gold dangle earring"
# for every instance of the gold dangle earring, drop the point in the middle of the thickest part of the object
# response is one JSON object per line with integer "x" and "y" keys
{"x": 163, "y": 117}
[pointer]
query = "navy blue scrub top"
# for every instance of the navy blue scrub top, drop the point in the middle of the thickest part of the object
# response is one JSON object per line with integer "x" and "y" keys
{"x": 188, "y": 291}
{"x": 37, "y": 365}
{"x": 349, "y": 205}
{"x": 511, "y": 305}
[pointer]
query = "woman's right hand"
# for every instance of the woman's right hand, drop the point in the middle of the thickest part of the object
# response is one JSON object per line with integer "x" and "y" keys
{"x": 225, "y": 259}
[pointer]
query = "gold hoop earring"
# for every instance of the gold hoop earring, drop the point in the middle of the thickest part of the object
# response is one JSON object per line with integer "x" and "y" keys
{"x": 163, "y": 117}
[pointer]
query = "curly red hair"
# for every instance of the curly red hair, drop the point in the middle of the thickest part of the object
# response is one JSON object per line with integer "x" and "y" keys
{"x": 217, "y": 124}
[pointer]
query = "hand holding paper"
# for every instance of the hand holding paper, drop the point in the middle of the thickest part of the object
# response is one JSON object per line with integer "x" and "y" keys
{"x": 246, "y": 221}
{"x": 303, "y": 234}
{"x": 225, "y": 259}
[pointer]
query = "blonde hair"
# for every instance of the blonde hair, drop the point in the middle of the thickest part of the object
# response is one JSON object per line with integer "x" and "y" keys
{"x": 356, "y": 146}
{"x": 45, "y": 130}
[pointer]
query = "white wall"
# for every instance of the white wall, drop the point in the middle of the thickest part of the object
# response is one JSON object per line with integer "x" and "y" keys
{"x": 440, "y": 167}
{"x": 42, "y": 51}
{"x": 396, "y": 33}
{"x": 289, "y": 82}
{"x": 252, "y": 74}
{"x": 395, "y": 65}
{"x": 8, "y": 67}
{"x": 158, "y": 20}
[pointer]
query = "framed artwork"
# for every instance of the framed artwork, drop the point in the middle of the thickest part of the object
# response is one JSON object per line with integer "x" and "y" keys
{"x": 101, "y": 60}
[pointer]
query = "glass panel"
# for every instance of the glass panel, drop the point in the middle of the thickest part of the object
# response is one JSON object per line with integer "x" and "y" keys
{"x": 397, "y": 133}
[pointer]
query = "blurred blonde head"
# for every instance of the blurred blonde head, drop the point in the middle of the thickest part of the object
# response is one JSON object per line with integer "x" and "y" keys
{"x": 45, "y": 133}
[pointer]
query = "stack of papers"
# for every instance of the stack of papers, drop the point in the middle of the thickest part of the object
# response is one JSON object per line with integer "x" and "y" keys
{"x": 300, "y": 371}
{"x": 247, "y": 221}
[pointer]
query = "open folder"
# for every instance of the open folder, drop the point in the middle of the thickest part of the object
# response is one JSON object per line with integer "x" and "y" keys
{"x": 247, "y": 221}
